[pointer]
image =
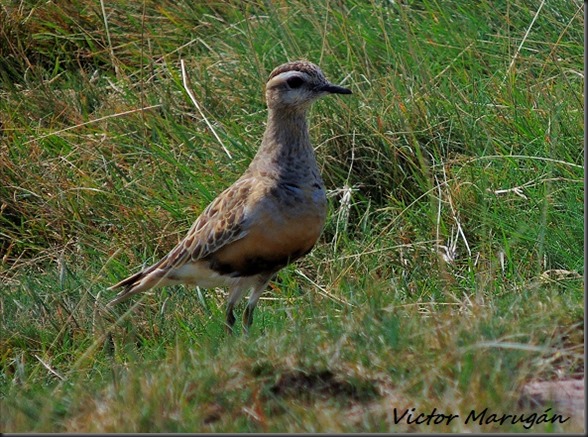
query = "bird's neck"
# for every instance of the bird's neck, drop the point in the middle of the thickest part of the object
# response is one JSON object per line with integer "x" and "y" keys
{"x": 286, "y": 141}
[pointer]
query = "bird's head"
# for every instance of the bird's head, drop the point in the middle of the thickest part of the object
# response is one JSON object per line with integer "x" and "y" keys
{"x": 295, "y": 85}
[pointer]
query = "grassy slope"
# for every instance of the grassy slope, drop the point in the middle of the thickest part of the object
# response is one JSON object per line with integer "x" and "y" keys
{"x": 464, "y": 137}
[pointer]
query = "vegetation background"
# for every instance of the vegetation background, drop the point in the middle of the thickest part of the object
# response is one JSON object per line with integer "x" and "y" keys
{"x": 450, "y": 272}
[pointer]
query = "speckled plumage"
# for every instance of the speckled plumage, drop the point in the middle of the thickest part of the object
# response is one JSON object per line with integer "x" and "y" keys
{"x": 271, "y": 216}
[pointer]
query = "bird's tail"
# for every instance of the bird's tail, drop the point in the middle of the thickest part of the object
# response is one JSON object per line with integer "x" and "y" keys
{"x": 143, "y": 280}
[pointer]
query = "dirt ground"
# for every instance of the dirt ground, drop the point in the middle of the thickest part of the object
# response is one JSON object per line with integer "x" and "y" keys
{"x": 565, "y": 396}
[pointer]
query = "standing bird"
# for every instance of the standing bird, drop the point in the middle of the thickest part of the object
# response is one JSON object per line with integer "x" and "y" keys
{"x": 270, "y": 217}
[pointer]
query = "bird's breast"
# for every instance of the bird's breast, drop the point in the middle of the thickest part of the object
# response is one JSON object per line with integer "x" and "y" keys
{"x": 279, "y": 232}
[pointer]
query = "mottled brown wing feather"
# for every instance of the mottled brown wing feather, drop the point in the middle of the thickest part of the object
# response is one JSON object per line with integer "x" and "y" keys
{"x": 221, "y": 223}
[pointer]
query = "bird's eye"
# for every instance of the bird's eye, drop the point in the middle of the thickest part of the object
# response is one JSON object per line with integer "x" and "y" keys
{"x": 295, "y": 82}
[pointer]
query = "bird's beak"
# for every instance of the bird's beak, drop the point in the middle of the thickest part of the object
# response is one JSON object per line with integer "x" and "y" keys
{"x": 334, "y": 89}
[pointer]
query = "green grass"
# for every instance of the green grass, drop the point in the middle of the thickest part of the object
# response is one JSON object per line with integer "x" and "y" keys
{"x": 451, "y": 268}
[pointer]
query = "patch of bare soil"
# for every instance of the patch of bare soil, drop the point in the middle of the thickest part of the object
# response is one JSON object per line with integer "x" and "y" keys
{"x": 565, "y": 397}
{"x": 323, "y": 384}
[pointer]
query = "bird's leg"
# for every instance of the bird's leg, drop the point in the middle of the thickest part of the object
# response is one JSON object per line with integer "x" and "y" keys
{"x": 235, "y": 295}
{"x": 248, "y": 317}
{"x": 230, "y": 318}
{"x": 255, "y": 295}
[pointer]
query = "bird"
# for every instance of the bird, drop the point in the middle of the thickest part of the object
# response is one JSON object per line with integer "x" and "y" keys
{"x": 268, "y": 218}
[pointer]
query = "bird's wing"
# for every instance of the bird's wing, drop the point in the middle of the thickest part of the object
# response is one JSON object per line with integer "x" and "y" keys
{"x": 222, "y": 222}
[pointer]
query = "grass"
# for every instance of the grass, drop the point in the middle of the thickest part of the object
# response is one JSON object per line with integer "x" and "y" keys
{"x": 451, "y": 269}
